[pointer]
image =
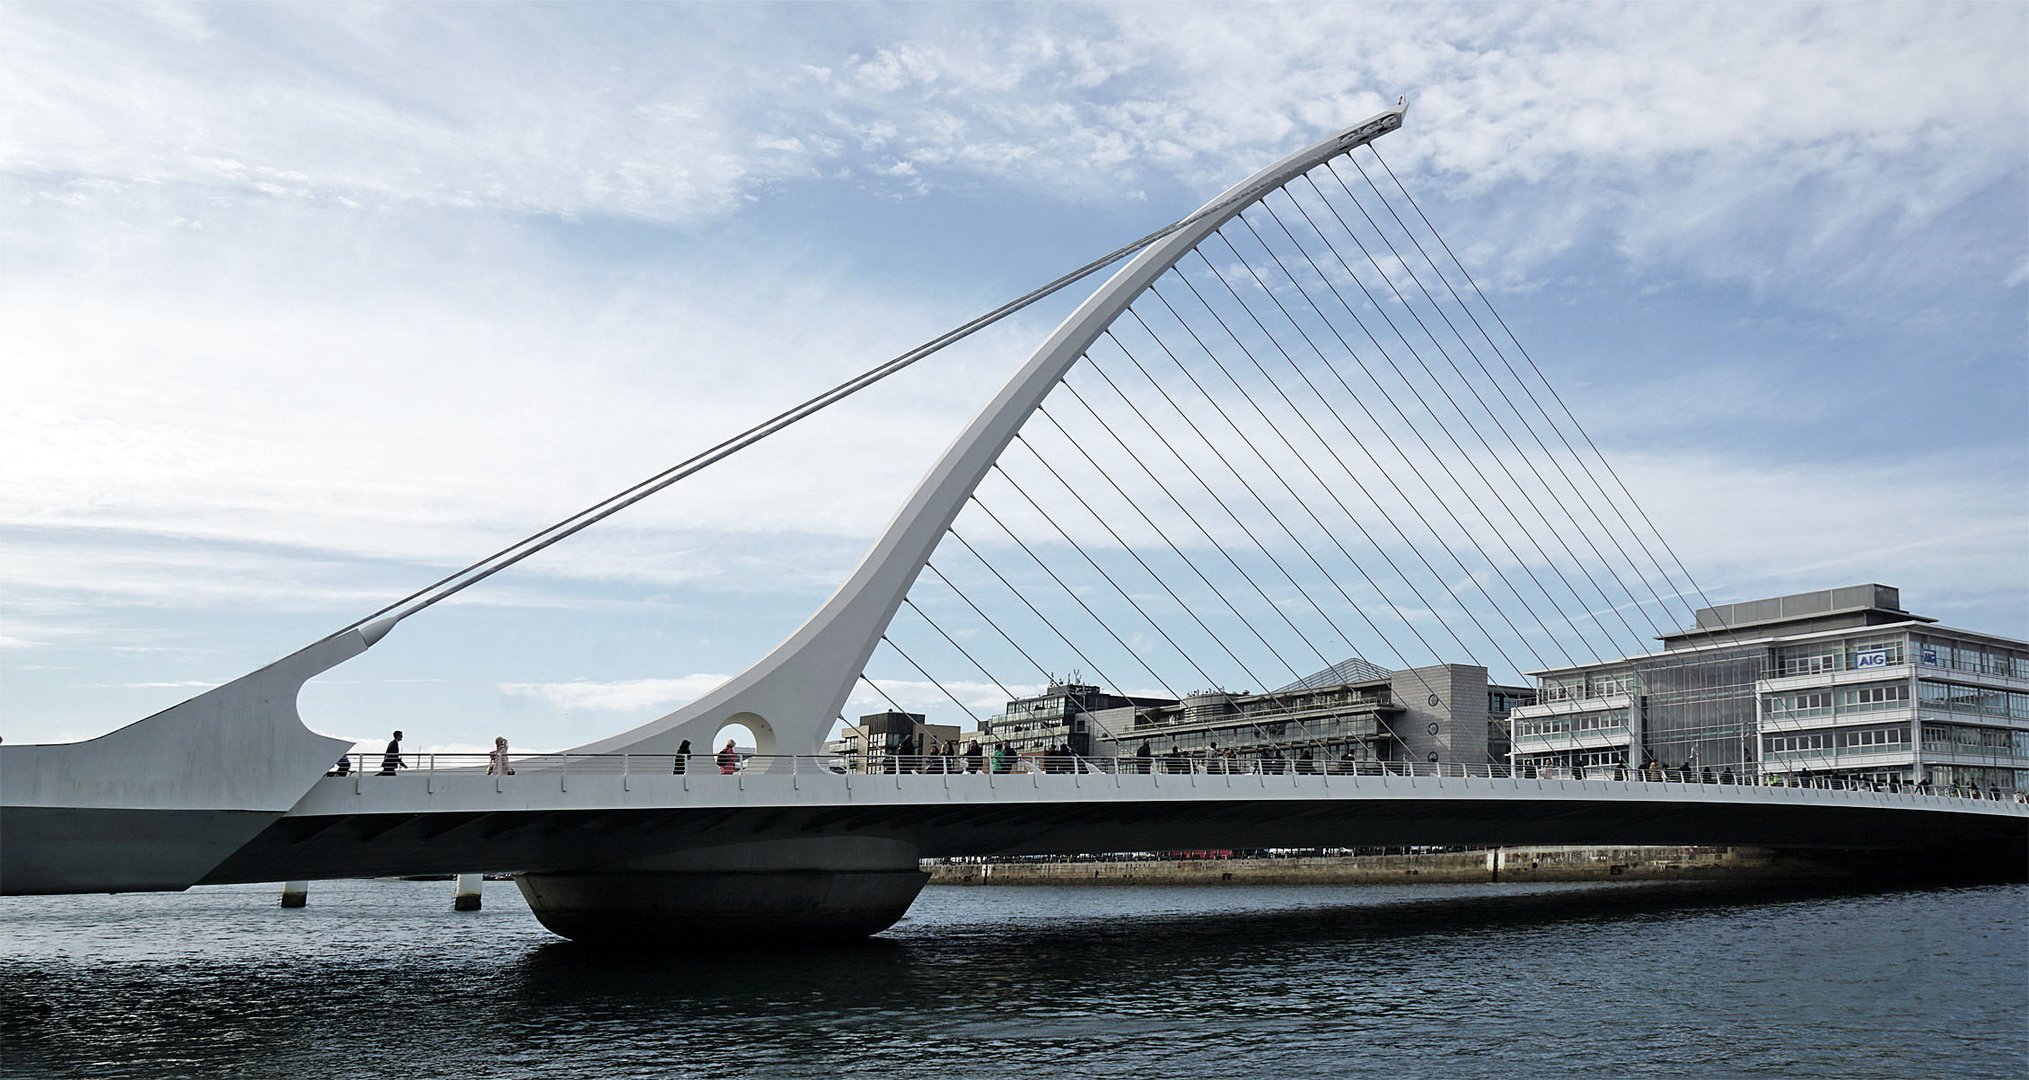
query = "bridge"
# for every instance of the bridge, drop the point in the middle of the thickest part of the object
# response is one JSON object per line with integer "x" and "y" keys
{"x": 1252, "y": 520}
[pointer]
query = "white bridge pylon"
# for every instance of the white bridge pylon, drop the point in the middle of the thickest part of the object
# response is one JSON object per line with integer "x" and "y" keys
{"x": 790, "y": 698}
{"x": 1333, "y": 288}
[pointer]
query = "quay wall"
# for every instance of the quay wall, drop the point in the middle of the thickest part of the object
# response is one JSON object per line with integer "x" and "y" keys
{"x": 1498, "y": 864}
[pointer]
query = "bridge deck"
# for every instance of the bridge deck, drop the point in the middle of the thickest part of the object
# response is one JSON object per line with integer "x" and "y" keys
{"x": 559, "y": 819}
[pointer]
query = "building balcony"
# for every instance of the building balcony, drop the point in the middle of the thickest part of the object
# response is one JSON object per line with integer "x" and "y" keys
{"x": 1845, "y": 757}
{"x": 1566, "y": 741}
{"x": 1972, "y": 678}
{"x": 1570, "y": 706}
{"x": 1813, "y": 680}
{"x": 1976, "y": 719}
{"x": 1992, "y": 759}
{"x": 1808, "y": 721}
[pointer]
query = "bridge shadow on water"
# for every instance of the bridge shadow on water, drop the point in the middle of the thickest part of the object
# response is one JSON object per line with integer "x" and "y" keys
{"x": 1071, "y": 939}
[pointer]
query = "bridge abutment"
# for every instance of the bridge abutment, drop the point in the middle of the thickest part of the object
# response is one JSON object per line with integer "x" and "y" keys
{"x": 735, "y": 896}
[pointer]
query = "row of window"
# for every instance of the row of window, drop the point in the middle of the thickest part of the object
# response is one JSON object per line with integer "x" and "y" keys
{"x": 1973, "y": 659}
{"x": 1588, "y": 759}
{"x": 1943, "y": 777}
{"x": 1804, "y": 704}
{"x": 1818, "y": 657}
{"x": 1989, "y": 742}
{"x": 1975, "y": 700}
{"x": 1857, "y": 740}
{"x": 1565, "y": 725}
{"x": 1586, "y": 685}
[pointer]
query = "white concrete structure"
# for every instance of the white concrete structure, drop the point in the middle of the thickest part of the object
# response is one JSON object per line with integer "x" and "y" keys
{"x": 160, "y": 801}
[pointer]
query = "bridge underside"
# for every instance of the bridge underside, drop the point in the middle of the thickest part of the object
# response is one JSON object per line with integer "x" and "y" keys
{"x": 1899, "y": 841}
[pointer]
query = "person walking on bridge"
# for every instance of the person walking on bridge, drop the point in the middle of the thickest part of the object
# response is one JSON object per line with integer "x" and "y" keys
{"x": 496, "y": 762}
{"x": 392, "y": 758}
{"x": 682, "y": 762}
{"x": 728, "y": 759}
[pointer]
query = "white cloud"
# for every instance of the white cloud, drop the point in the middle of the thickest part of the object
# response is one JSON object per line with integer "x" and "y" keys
{"x": 636, "y": 696}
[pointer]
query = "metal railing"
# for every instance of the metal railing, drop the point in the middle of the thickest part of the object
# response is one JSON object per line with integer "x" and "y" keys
{"x": 988, "y": 768}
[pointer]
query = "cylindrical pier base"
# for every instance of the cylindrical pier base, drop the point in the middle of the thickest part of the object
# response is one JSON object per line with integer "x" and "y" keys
{"x": 738, "y": 897}
{"x": 295, "y": 894}
{"x": 465, "y": 894}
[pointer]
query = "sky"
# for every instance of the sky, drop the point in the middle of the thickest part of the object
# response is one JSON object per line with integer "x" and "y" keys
{"x": 304, "y": 305}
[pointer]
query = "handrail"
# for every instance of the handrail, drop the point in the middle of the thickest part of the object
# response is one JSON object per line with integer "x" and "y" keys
{"x": 634, "y": 766}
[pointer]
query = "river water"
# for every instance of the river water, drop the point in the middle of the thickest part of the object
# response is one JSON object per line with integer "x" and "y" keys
{"x": 383, "y": 979}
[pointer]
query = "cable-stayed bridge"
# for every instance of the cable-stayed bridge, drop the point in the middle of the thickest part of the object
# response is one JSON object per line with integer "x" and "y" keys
{"x": 1289, "y": 433}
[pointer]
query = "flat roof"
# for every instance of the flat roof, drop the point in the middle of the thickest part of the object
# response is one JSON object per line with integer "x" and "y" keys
{"x": 1912, "y": 622}
{"x": 1900, "y": 616}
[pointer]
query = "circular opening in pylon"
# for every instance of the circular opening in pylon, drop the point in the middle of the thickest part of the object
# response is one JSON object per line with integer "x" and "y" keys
{"x": 750, "y": 735}
{"x": 741, "y": 735}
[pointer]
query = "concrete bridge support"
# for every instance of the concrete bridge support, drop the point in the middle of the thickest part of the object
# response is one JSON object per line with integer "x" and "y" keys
{"x": 736, "y": 896}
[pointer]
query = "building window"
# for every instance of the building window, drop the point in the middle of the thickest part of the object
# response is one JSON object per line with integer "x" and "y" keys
{"x": 1808, "y": 703}
{"x": 1869, "y": 740}
{"x": 1860, "y": 699}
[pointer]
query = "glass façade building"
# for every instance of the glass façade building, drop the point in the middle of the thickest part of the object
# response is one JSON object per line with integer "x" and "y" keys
{"x": 1839, "y": 682}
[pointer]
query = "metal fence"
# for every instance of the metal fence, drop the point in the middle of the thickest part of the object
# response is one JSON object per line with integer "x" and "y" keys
{"x": 986, "y": 768}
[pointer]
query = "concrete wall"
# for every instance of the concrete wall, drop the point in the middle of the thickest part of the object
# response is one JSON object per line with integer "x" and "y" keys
{"x": 1460, "y": 713}
{"x": 1500, "y": 864}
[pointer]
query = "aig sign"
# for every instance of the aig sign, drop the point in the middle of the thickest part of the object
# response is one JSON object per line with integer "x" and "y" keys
{"x": 1877, "y": 658}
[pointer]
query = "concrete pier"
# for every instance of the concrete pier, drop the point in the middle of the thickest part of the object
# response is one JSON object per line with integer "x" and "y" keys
{"x": 465, "y": 893}
{"x": 295, "y": 894}
{"x": 742, "y": 896}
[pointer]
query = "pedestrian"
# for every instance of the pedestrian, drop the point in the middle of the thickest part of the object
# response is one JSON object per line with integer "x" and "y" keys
{"x": 728, "y": 759}
{"x": 1705, "y": 775}
{"x": 1726, "y": 775}
{"x": 975, "y": 758}
{"x": 1305, "y": 763}
{"x": 496, "y": 762}
{"x": 344, "y": 767}
{"x": 1144, "y": 756}
{"x": 682, "y": 763}
{"x": 392, "y": 759}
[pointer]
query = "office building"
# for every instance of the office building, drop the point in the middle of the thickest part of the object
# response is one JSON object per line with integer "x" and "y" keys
{"x": 1839, "y": 682}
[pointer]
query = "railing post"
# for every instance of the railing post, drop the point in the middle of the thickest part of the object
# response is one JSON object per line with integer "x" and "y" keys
{"x": 564, "y": 779}
{"x": 430, "y": 776}
{"x": 626, "y": 777}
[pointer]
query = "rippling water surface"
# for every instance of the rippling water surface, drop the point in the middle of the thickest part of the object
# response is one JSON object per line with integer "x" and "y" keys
{"x": 382, "y": 978}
